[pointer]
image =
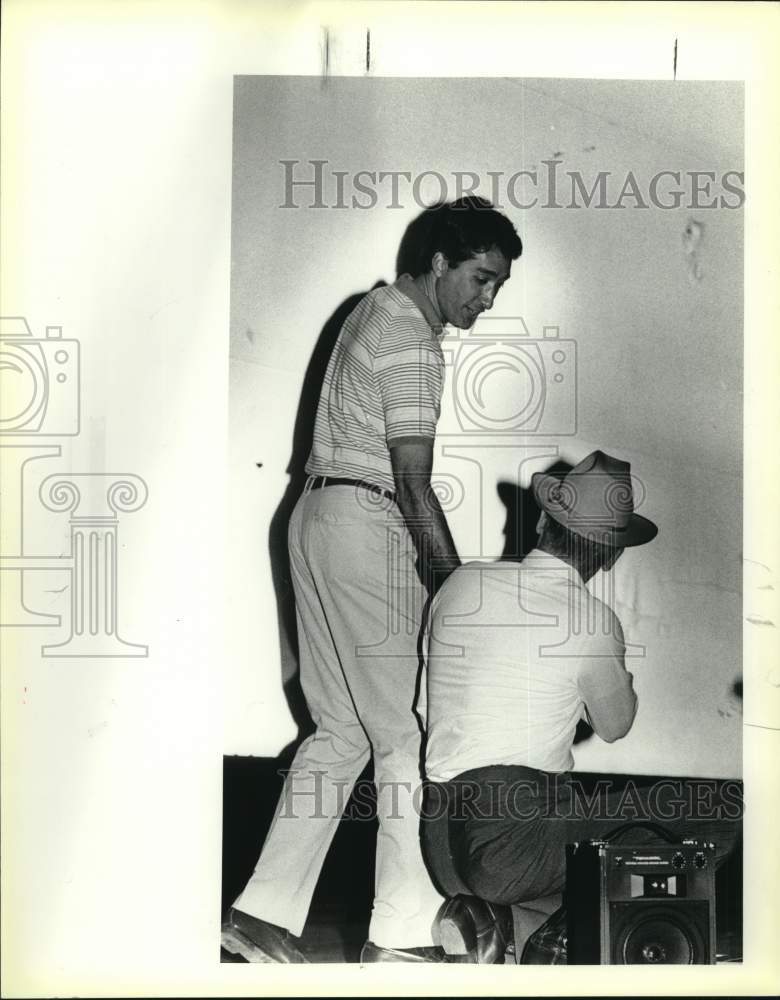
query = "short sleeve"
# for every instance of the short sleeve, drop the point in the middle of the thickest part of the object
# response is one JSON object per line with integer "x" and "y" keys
{"x": 606, "y": 686}
{"x": 409, "y": 372}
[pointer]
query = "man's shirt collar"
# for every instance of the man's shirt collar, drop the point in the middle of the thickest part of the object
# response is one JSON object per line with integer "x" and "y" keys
{"x": 424, "y": 298}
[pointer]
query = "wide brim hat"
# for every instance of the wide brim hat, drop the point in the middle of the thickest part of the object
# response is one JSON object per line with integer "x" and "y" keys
{"x": 595, "y": 499}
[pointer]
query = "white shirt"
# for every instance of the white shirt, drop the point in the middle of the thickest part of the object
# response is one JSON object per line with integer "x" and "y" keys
{"x": 516, "y": 654}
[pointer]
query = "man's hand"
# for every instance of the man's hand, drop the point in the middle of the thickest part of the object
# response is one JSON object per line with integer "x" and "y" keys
{"x": 412, "y": 460}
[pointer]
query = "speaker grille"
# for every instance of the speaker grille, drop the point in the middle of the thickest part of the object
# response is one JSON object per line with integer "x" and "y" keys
{"x": 662, "y": 933}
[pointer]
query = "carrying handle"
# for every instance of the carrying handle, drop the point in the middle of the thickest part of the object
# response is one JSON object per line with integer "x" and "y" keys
{"x": 645, "y": 825}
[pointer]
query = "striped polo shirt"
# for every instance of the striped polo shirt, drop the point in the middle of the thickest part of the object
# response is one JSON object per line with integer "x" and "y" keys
{"x": 383, "y": 384}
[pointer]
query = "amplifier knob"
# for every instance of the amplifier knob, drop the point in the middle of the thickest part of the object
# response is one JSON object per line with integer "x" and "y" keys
{"x": 678, "y": 860}
{"x": 699, "y": 860}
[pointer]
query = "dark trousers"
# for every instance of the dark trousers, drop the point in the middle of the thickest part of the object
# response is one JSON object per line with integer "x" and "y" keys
{"x": 501, "y": 832}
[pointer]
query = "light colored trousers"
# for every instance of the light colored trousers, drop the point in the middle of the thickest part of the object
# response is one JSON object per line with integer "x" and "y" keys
{"x": 359, "y": 605}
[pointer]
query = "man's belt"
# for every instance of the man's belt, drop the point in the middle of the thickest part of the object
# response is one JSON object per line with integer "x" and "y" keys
{"x": 317, "y": 482}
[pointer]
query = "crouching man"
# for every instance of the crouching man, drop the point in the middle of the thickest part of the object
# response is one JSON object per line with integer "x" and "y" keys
{"x": 517, "y": 654}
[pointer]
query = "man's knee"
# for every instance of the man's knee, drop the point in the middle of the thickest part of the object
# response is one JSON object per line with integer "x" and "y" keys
{"x": 328, "y": 746}
{"x": 483, "y": 879}
{"x": 497, "y": 885}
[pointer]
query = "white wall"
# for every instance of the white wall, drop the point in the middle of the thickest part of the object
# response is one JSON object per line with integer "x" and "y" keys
{"x": 659, "y": 355}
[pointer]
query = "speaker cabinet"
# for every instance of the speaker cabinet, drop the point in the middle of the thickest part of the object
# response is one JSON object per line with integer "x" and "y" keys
{"x": 648, "y": 905}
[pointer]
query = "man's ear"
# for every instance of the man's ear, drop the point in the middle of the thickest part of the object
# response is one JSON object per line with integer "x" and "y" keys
{"x": 439, "y": 265}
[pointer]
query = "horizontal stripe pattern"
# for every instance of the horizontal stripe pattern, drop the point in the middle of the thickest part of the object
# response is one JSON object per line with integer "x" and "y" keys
{"x": 384, "y": 381}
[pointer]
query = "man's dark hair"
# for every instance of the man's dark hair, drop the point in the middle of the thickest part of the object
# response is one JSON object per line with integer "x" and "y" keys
{"x": 460, "y": 230}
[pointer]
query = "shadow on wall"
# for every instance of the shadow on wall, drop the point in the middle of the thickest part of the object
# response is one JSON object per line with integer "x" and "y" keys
{"x": 277, "y": 533}
{"x": 522, "y": 514}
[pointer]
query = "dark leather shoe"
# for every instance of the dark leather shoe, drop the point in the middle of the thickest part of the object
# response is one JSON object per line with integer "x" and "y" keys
{"x": 467, "y": 925}
{"x": 373, "y": 953}
{"x": 258, "y": 941}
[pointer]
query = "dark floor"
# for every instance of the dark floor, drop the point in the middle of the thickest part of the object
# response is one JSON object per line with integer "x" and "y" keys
{"x": 338, "y": 919}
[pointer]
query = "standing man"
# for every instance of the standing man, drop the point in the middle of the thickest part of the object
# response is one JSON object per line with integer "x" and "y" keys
{"x": 368, "y": 540}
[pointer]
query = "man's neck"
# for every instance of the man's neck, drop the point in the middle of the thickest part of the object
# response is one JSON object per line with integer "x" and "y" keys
{"x": 427, "y": 284}
{"x": 584, "y": 570}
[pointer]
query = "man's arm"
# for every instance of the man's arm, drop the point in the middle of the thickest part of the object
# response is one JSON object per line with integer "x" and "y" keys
{"x": 412, "y": 461}
{"x": 610, "y": 702}
{"x": 607, "y": 688}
